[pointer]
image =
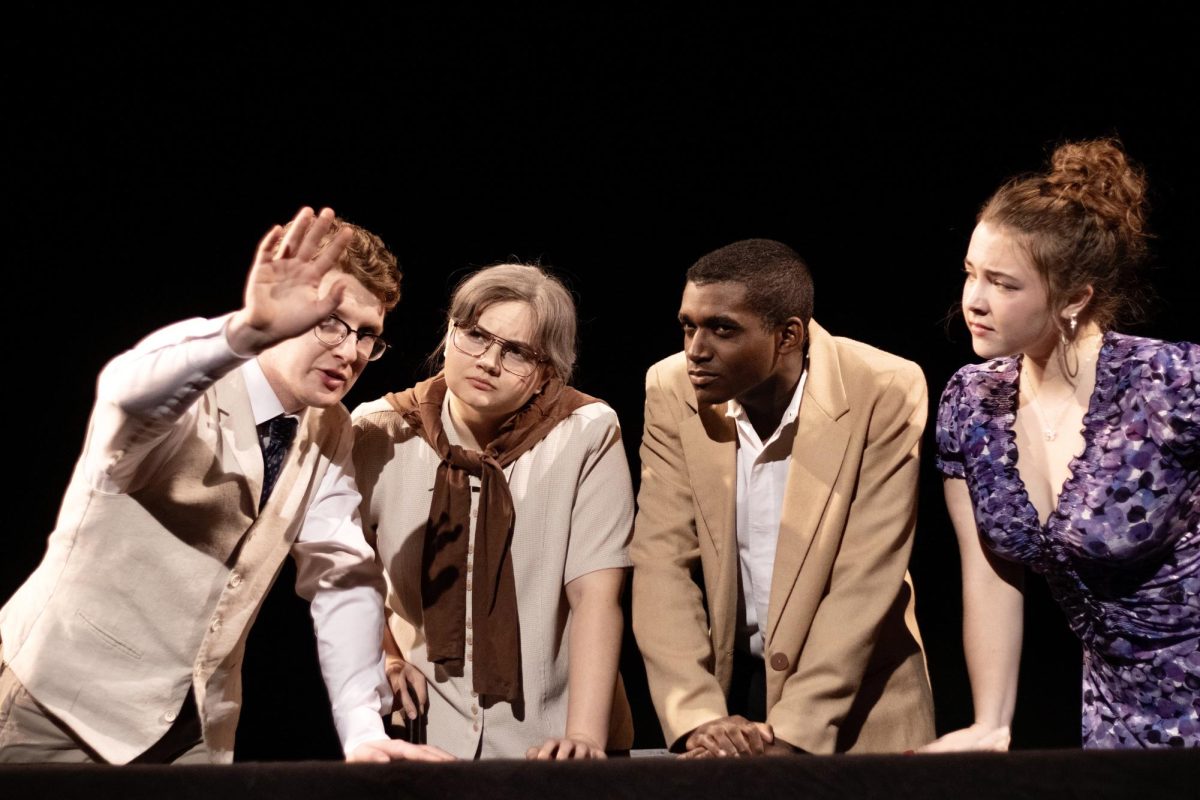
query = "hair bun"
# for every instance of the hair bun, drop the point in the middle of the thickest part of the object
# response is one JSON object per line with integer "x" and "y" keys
{"x": 1099, "y": 177}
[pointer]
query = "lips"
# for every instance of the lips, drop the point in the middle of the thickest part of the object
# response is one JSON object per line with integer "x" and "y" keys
{"x": 480, "y": 384}
{"x": 977, "y": 329}
{"x": 333, "y": 379}
{"x": 699, "y": 378}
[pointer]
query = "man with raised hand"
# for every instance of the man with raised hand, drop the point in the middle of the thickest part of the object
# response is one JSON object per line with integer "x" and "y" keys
{"x": 215, "y": 448}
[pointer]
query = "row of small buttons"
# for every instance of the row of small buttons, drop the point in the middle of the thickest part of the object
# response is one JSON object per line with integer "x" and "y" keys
{"x": 235, "y": 580}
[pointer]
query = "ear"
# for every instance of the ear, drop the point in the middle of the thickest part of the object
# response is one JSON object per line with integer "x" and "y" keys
{"x": 542, "y": 377}
{"x": 791, "y": 336}
{"x": 1077, "y": 304}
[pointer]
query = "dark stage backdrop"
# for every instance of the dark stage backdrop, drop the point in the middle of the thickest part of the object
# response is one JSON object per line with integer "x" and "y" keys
{"x": 148, "y": 153}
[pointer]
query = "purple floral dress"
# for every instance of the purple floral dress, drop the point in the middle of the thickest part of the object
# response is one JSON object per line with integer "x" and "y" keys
{"x": 1121, "y": 551}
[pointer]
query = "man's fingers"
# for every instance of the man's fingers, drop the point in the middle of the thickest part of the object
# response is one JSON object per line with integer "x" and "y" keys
{"x": 754, "y": 739}
{"x": 705, "y": 742}
{"x": 412, "y": 752}
{"x": 713, "y": 744}
{"x": 311, "y": 242}
{"x": 332, "y": 291}
{"x": 295, "y": 232}
{"x": 738, "y": 740}
{"x": 322, "y": 264}
{"x": 268, "y": 245}
{"x": 724, "y": 740}
{"x": 765, "y": 731}
{"x": 308, "y": 244}
{"x": 429, "y": 752}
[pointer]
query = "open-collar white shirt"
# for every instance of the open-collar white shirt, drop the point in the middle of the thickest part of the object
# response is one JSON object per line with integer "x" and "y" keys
{"x": 762, "y": 470}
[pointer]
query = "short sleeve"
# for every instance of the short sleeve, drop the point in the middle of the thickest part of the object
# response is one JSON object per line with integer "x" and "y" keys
{"x": 951, "y": 414}
{"x": 602, "y": 516}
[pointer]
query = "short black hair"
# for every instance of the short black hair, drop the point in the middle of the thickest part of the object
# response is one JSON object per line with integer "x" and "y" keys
{"x": 778, "y": 283}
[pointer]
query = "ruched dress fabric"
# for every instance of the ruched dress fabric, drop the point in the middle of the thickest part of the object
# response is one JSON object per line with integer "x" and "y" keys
{"x": 1121, "y": 551}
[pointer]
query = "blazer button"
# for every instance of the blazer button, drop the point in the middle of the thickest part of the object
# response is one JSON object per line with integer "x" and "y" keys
{"x": 779, "y": 662}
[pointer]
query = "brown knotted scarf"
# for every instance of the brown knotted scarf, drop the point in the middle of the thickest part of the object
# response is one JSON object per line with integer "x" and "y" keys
{"x": 444, "y": 576}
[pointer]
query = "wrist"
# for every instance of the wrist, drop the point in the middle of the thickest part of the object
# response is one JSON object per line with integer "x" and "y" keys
{"x": 988, "y": 723}
{"x": 243, "y": 338}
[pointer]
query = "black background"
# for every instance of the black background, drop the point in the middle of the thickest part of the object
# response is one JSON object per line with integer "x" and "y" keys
{"x": 150, "y": 150}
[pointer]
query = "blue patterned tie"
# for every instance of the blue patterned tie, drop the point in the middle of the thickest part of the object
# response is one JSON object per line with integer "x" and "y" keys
{"x": 275, "y": 435}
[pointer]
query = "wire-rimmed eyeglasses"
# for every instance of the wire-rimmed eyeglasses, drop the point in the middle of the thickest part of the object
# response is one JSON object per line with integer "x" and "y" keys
{"x": 516, "y": 358}
{"x": 333, "y": 330}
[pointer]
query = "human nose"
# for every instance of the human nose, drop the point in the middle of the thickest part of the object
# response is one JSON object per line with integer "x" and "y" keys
{"x": 490, "y": 358}
{"x": 696, "y": 346}
{"x": 974, "y": 297}
{"x": 347, "y": 349}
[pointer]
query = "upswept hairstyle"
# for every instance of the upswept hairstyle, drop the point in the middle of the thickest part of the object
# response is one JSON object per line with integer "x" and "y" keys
{"x": 778, "y": 283}
{"x": 1082, "y": 222}
{"x": 553, "y": 308}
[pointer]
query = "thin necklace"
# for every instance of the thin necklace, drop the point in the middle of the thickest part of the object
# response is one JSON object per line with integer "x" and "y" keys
{"x": 1049, "y": 431}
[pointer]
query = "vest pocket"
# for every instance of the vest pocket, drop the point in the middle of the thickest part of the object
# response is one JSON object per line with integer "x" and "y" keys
{"x": 109, "y": 639}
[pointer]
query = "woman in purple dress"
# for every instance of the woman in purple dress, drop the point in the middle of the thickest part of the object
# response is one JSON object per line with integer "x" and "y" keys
{"x": 1104, "y": 500}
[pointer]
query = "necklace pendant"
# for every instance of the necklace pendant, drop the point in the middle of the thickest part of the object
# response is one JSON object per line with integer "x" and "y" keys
{"x": 1050, "y": 435}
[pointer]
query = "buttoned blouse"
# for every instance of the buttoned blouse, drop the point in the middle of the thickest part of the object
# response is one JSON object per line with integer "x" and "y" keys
{"x": 573, "y": 502}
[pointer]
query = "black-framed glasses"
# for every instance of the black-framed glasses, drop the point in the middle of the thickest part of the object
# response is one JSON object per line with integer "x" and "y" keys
{"x": 519, "y": 359}
{"x": 333, "y": 330}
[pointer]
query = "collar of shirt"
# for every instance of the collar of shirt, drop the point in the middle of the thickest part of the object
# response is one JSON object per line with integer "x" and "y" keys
{"x": 263, "y": 401}
{"x": 735, "y": 411}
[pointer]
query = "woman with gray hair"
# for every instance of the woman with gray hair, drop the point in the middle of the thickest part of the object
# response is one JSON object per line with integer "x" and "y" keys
{"x": 501, "y": 505}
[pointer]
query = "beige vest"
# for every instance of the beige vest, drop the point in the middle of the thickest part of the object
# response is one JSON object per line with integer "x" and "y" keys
{"x": 141, "y": 596}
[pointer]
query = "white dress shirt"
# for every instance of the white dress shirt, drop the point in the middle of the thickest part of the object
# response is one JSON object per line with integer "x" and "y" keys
{"x": 164, "y": 383}
{"x": 762, "y": 470}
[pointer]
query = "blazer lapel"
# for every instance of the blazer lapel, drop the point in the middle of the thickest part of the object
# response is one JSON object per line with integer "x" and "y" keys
{"x": 709, "y": 442}
{"x": 817, "y": 455}
{"x": 240, "y": 437}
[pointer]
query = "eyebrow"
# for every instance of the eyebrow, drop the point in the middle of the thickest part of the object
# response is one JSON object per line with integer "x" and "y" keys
{"x": 717, "y": 320}
{"x": 510, "y": 342}
{"x": 992, "y": 271}
{"x": 368, "y": 329}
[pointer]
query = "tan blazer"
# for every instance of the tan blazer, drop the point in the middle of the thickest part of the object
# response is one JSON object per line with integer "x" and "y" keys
{"x": 146, "y": 593}
{"x": 845, "y": 668}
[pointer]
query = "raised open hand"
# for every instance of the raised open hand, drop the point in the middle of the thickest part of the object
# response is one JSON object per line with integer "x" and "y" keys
{"x": 292, "y": 284}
